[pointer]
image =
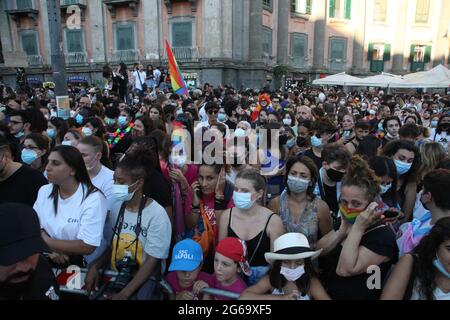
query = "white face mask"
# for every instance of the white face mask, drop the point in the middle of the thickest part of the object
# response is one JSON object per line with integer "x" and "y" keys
{"x": 87, "y": 131}
{"x": 120, "y": 192}
{"x": 386, "y": 188}
{"x": 287, "y": 121}
{"x": 293, "y": 274}
{"x": 239, "y": 132}
{"x": 67, "y": 143}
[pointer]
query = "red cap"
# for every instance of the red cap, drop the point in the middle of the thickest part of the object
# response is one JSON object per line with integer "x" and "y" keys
{"x": 236, "y": 250}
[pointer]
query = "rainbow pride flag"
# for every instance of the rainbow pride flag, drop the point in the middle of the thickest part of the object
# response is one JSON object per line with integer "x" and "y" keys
{"x": 178, "y": 83}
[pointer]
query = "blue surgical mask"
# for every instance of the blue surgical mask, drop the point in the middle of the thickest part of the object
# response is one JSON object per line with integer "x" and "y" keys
{"x": 297, "y": 185}
{"x": 438, "y": 265}
{"x": 386, "y": 188}
{"x": 290, "y": 143}
{"x": 239, "y": 132}
{"x": 28, "y": 156}
{"x": 87, "y": 131}
{"x": 51, "y": 133}
{"x": 402, "y": 167}
{"x": 316, "y": 142}
{"x": 110, "y": 122}
{"x": 120, "y": 192}
{"x": 19, "y": 134}
{"x": 243, "y": 201}
{"x": 222, "y": 117}
{"x": 79, "y": 119}
{"x": 67, "y": 143}
{"x": 122, "y": 121}
{"x": 434, "y": 123}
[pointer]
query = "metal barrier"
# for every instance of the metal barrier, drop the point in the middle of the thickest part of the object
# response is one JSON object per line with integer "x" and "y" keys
{"x": 110, "y": 276}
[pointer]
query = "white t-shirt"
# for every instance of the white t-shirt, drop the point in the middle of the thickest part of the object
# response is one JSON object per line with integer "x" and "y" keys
{"x": 139, "y": 75}
{"x": 104, "y": 181}
{"x": 154, "y": 238}
{"x": 77, "y": 218}
{"x": 156, "y": 75}
{"x": 438, "y": 293}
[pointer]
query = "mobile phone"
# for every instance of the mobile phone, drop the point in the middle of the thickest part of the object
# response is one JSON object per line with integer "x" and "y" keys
{"x": 199, "y": 193}
{"x": 391, "y": 214}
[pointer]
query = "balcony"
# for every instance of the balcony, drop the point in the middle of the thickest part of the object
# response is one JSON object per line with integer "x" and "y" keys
{"x": 76, "y": 58}
{"x": 169, "y": 4}
{"x": 186, "y": 54}
{"x": 34, "y": 60}
{"x": 125, "y": 56}
{"x": 65, "y": 4}
{"x": 113, "y": 4}
{"x": 24, "y": 11}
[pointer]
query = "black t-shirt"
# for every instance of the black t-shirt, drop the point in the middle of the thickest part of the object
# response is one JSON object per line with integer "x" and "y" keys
{"x": 22, "y": 187}
{"x": 158, "y": 188}
{"x": 380, "y": 240}
{"x": 318, "y": 161}
{"x": 331, "y": 198}
{"x": 41, "y": 286}
{"x": 231, "y": 125}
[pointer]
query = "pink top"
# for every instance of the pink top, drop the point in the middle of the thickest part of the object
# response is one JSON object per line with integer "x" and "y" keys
{"x": 172, "y": 279}
{"x": 238, "y": 287}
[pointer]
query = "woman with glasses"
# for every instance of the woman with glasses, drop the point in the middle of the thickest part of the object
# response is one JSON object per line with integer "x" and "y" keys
{"x": 35, "y": 151}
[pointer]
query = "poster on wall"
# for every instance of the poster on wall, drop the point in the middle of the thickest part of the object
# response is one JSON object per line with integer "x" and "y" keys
{"x": 63, "y": 104}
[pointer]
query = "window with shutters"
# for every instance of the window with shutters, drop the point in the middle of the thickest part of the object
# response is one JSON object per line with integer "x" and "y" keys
{"x": 422, "y": 11}
{"x": 338, "y": 48}
{"x": 182, "y": 34}
{"x": 419, "y": 56}
{"x": 29, "y": 42}
{"x": 380, "y": 11}
{"x": 267, "y": 41}
{"x": 74, "y": 41}
{"x": 340, "y": 9}
{"x": 125, "y": 37}
{"x": 299, "y": 49}
{"x": 301, "y": 6}
{"x": 267, "y": 4}
{"x": 377, "y": 55}
{"x": 24, "y": 4}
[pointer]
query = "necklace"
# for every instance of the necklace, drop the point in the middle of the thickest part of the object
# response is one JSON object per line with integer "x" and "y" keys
{"x": 119, "y": 134}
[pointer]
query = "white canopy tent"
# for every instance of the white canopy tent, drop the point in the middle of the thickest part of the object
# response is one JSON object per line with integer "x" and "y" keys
{"x": 340, "y": 79}
{"x": 383, "y": 80}
{"x": 438, "y": 77}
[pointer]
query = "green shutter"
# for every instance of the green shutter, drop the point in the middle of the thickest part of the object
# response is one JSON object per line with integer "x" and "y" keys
{"x": 293, "y": 6}
{"x": 348, "y": 9}
{"x": 29, "y": 44}
{"x": 427, "y": 57}
{"x": 387, "y": 52}
{"x": 182, "y": 34}
{"x": 24, "y": 4}
{"x": 411, "y": 54}
{"x": 125, "y": 38}
{"x": 308, "y": 6}
{"x": 74, "y": 41}
{"x": 332, "y": 8}
{"x": 370, "y": 52}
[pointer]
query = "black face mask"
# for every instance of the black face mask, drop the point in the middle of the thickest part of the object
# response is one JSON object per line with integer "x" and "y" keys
{"x": 335, "y": 175}
{"x": 444, "y": 127}
{"x": 302, "y": 141}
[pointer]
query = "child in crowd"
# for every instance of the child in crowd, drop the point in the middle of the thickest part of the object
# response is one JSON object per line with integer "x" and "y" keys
{"x": 185, "y": 276}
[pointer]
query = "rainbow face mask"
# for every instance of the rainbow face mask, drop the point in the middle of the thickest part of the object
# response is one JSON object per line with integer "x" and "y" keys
{"x": 349, "y": 214}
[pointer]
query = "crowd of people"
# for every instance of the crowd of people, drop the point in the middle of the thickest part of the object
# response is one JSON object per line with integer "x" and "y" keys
{"x": 298, "y": 194}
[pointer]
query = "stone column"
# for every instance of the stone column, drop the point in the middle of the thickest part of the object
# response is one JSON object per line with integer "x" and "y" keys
{"x": 43, "y": 24}
{"x": 283, "y": 31}
{"x": 359, "y": 36}
{"x": 97, "y": 29}
{"x": 151, "y": 18}
{"x": 321, "y": 11}
{"x": 255, "y": 29}
{"x": 443, "y": 35}
{"x": 398, "y": 47}
{"x": 212, "y": 28}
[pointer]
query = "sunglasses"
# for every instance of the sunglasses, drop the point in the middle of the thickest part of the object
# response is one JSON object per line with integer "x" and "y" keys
{"x": 211, "y": 112}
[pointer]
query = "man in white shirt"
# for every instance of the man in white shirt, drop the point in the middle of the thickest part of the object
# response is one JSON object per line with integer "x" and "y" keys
{"x": 139, "y": 80}
{"x": 157, "y": 76}
{"x": 101, "y": 177}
